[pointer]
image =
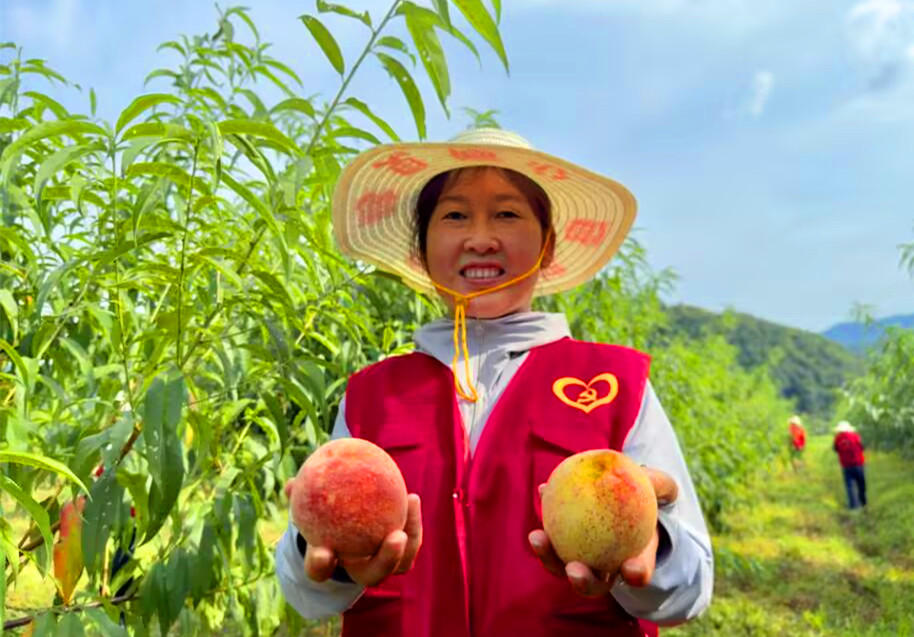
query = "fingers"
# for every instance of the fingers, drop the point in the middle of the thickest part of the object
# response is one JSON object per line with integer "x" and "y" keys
{"x": 320, "y": 562}
{"x": 637, "y": 571}
{"x": 374, "y": 570}
{"x": 413, "y": 530}
{"x": 665, "y": 487}
{"x": 541, "y": 546}
{"x": 288, "y": 487}
{"x": 585, "y": 582}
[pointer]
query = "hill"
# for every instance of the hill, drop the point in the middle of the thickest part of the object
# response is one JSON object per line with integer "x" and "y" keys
{"x": 859, "y": 336}
{"x": 809, "y": 368}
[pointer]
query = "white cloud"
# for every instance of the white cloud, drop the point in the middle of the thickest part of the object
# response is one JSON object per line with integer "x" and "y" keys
{"x": 752, "y": 101}
{"x": 881, "y": 33}
{"x": 762, "y": 84}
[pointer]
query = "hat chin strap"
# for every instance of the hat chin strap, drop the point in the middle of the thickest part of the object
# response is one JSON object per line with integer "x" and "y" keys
{"x": 461, "y": 304}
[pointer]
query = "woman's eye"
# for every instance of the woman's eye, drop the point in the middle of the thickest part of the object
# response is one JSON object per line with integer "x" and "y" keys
{"x": 453, "y": 214}
{"x": 508, "y": 214}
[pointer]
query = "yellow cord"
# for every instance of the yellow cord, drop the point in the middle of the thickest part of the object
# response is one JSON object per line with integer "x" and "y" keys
{"x": 461, "y": 304}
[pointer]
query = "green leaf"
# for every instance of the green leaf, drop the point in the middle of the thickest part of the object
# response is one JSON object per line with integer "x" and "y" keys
{"x": 53, "y": 105}
{"x": 158, "y": 129}
{"x": 279, "y": 419}
{"x": 396, "y": 44}
{"x": 140, "y": 104}
{"x": 3, "y": 563}
{"x": 72, "y": 127}
{"x": 170, "y": 172}
{"x": 202, "y": 575}
{"x": 45, "y": 626}
{"x": 161, "y": 413}
{"x": 135, "y": 483}
{"x": 165, "y": 589}
{"x": 325, "y": 7}
{"x": 362, "y": 107}
{"x": 254, "y": 201}
{"x": 171, "y": 45}
{"x": 101, "y": 513}
{"x": 496, "y": 4}
{"x": 71, "y": 626}
{"x": 262, "y": 130}
{"x": 35, "y": 510}
{"x": 93, "y": 102}
{"x": 357, "y": 133}
{"x": 326, "y": 41}
{"x": 441, "y": 8}
{"x": 11, "y": 309}
{"x": 279, "y": 66}
{"x": 104, "y": 623}
{"x": 408, "y": 86}
{"x": 478, "y": 17}
{"x": 421, "y": 25}
{"x": 295, "y": 104}
{"x": 162, "y": 73}
{"x": 8, "y": 125}
{"x": 40, "y": 462}
{"x": 59, "y": 160}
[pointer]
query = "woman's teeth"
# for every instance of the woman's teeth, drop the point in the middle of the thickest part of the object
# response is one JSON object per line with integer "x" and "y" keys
{"x": 482, "y": 273}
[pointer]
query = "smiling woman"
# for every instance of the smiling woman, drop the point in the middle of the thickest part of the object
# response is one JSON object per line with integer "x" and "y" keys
{"x": 480, "y": 227}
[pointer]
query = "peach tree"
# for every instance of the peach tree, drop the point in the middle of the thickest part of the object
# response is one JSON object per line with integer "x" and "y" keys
{"x": 176, "y": 324}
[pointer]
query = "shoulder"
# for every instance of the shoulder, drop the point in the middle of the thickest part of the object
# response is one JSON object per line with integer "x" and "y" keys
{"x": 395, "y": 364}
{"x": 598, "y": 350}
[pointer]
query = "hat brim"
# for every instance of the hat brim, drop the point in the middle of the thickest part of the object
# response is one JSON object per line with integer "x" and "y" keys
{"x": 375, "y": 199}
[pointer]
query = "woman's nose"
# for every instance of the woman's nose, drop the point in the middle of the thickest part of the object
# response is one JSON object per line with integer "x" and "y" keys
{"x": 481, "y": 239}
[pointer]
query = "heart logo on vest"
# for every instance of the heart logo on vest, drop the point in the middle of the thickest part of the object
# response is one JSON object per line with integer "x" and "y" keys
{"x": 589, "y": 399}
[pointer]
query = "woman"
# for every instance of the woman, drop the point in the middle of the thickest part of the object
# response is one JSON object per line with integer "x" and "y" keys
{"x": 494, "y": 397}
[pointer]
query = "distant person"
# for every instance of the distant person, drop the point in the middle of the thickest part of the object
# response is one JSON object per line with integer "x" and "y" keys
{"x": 849, "y": 448}
{"x": 797, "y": 441}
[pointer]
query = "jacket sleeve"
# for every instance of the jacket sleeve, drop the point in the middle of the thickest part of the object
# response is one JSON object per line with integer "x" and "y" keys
{"x": 683, "y": 580}
{"x": 313, "y": 600}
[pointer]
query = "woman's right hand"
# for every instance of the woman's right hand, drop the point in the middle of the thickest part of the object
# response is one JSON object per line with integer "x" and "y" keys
{"x": 395, "y": 556}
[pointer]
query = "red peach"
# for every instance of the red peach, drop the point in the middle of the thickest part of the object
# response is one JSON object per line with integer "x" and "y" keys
{"x": 348, "y": 496}
{"x": 599, "y": 508}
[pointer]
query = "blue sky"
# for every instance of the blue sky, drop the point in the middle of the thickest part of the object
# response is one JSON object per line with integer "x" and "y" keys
{"x": 769, "y": 143}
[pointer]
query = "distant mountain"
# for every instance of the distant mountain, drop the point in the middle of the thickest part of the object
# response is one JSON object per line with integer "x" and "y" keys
{"x": 807, "y": 367}
{"x": 858, "y": 336}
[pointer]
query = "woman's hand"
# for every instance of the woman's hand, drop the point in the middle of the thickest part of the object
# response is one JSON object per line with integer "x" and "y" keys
{"x": 635, "y": 571}
{"x": 396, "y": 554}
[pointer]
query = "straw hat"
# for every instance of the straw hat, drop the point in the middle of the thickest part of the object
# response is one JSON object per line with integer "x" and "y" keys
{"x": 375, "y": 199}
{"x": 794, "y": 420}
{"x": 844, "y": 427}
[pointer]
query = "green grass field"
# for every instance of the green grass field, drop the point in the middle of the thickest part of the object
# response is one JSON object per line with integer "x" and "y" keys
{"x": 799, "y": 564}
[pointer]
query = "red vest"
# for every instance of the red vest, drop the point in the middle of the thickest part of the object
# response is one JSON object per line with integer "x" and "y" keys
{"x": 849, "y": 448}
{"x": 475, "y": 574}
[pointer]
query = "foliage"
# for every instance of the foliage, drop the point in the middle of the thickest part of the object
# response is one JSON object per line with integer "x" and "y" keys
{"x": 807, "y": 368}
{"x": 176, "y": 325}
{"x": 880, "y": 403}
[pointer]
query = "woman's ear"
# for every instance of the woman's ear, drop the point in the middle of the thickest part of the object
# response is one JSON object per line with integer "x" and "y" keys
{"x": 549, "y": 253}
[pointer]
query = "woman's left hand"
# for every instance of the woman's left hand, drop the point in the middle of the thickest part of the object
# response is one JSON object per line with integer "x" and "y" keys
{"x": 635, "y": 571}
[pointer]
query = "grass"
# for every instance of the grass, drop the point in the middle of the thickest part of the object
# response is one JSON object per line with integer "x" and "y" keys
{"x": 795, "y": 562}
{"x": 799, "y": 563}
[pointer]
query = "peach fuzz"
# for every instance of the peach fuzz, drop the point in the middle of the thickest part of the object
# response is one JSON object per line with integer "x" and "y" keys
{"x": 599, "y": 508}
{"x": 348, "y": 496}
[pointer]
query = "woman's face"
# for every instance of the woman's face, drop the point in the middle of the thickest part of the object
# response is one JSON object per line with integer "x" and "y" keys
{"x": 484, "y": 232}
